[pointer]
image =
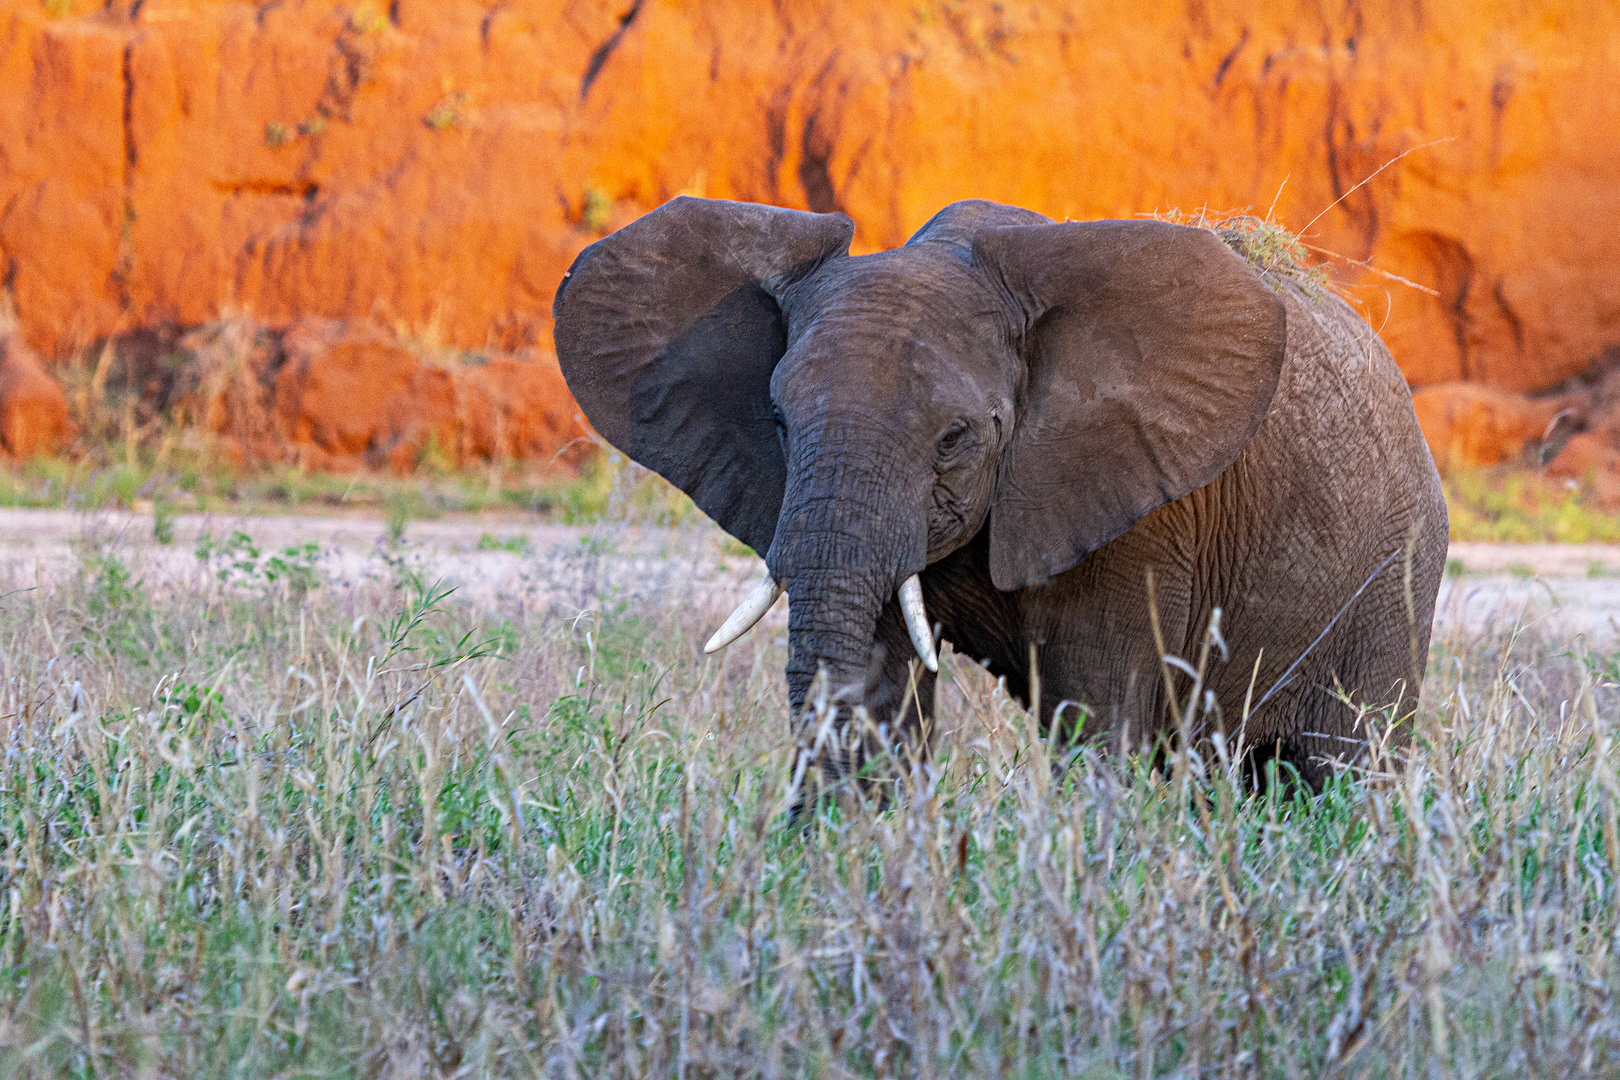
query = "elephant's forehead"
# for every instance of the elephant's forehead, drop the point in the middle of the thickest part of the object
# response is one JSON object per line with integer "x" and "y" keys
{"x": 898, "y": 334}
{"x": 915, "y": 292}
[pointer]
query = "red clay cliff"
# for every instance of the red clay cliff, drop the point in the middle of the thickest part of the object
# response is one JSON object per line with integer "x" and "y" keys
{"x": 434, "y": 165}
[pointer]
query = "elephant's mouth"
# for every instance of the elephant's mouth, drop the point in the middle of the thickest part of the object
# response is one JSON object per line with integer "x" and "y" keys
{"x": 766, "y": 593}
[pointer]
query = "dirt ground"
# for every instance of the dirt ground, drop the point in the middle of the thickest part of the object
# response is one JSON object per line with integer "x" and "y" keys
{"x": 502, "y": 563}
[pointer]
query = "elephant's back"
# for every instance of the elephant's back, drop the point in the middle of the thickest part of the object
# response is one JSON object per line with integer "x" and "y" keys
{"x": 1339, "y": 468}
{"x": 1343, "y": 406}
{"x": 1321, "y": 516}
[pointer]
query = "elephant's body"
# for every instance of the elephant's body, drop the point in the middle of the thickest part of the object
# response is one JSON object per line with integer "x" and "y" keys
{"x": 1321, "y": 504}
{"x": 1029, "y": 418}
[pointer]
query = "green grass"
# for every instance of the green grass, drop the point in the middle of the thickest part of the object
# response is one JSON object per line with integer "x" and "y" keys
{"x": 1511, "y": 505}
{"x": 516, "y": 545}
{"x": 605, "y": 484}
{"x": 251, "y": 826}
{"x": 1518, "y": 506}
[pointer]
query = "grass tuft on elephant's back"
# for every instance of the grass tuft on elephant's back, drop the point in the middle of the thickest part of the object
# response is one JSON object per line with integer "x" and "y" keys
{"x": 1270, "y": 247}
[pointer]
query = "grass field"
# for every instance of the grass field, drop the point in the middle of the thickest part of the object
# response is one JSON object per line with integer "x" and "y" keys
{"x": 91, "y": 484}
{"x": 257, "y": 823}
{"x": 1507, "y": 504}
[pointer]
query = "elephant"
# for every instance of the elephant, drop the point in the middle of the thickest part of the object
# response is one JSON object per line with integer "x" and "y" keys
{"x": 1029, "y": 437}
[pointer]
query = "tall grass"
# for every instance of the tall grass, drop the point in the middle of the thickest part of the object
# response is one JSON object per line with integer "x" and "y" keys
{"x": 250, "y": 829}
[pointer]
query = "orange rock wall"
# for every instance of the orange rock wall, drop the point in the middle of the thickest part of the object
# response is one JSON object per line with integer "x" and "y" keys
{"x": 435, "y": 164}
{"x": 33, "y": 409}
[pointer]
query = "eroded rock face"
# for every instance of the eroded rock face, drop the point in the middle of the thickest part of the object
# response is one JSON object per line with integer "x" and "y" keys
{"x": 33, "y": 411}
{"x": 350, "y": 395}
{"x": 1472, "y": 425}
{"x": 1593, "y": 455}
{"x": 436, "y": 164}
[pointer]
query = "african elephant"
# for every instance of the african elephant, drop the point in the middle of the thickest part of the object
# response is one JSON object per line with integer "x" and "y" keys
{"x": 1024, "y": 418}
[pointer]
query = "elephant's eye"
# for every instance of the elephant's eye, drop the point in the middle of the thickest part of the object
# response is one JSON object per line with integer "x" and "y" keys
{"x": 953, "y": 440}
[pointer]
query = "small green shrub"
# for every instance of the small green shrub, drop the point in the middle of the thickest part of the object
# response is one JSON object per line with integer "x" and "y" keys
{"x": 117, "y": 611}
{"x": 113, "y": 589}
{"x": 517, "y": 545}
{"x": 594, "y": 210}
{"x": 163, "y": 514}
{"x": 237, "y": 561}
{"x": 192, "y": 701}
{"x": 447, "y": 113}
{"x": 399, "y": 514}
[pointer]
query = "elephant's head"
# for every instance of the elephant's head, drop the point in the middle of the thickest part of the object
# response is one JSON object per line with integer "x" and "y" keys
{"x": 858, "y": 418}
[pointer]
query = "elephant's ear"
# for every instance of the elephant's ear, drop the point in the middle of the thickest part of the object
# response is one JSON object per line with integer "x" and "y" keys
{"x": 668, "y": 331}
{"x": 1152, "y": 355}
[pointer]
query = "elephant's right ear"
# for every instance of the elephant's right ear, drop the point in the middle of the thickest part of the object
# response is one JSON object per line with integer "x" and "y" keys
{"x": 1152, "y": 353}
{"x": 668, "y": 331}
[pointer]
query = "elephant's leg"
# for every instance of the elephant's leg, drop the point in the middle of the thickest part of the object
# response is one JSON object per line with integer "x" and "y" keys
{"x": 1317, "y": 720}
{"x": 980, "y": 621}
{"x": 1361, "y": 683}
{"x": 1098, "y": 656}
{"x": 900, "y": 691}
{"x": 1089, "y": 631}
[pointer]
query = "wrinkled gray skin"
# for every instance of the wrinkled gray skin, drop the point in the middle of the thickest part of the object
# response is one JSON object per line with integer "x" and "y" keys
{"x": 1034, "y": 416}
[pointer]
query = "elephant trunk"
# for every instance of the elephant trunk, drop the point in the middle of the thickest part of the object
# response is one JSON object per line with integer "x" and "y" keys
{"x": 838, "y": 576}
{"x": 832, "y": 621}
{"x": 845, "y": 542}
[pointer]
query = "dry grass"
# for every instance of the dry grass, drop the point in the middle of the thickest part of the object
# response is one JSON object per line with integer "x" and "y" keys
{"x": 184, "y": 420}
{"x": 1268, "y": 245}
{"x": 254, "y": 828}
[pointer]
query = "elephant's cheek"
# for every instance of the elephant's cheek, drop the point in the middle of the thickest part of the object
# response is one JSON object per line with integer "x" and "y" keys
{"x": 955, "y": 515}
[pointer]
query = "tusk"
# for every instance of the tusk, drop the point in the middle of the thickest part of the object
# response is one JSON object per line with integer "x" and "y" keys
{"x": 749, "y": 612}
{"x": 911, "y": 605}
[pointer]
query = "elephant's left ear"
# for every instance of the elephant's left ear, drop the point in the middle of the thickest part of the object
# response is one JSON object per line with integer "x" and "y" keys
{"x": 1153, "y": 352}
